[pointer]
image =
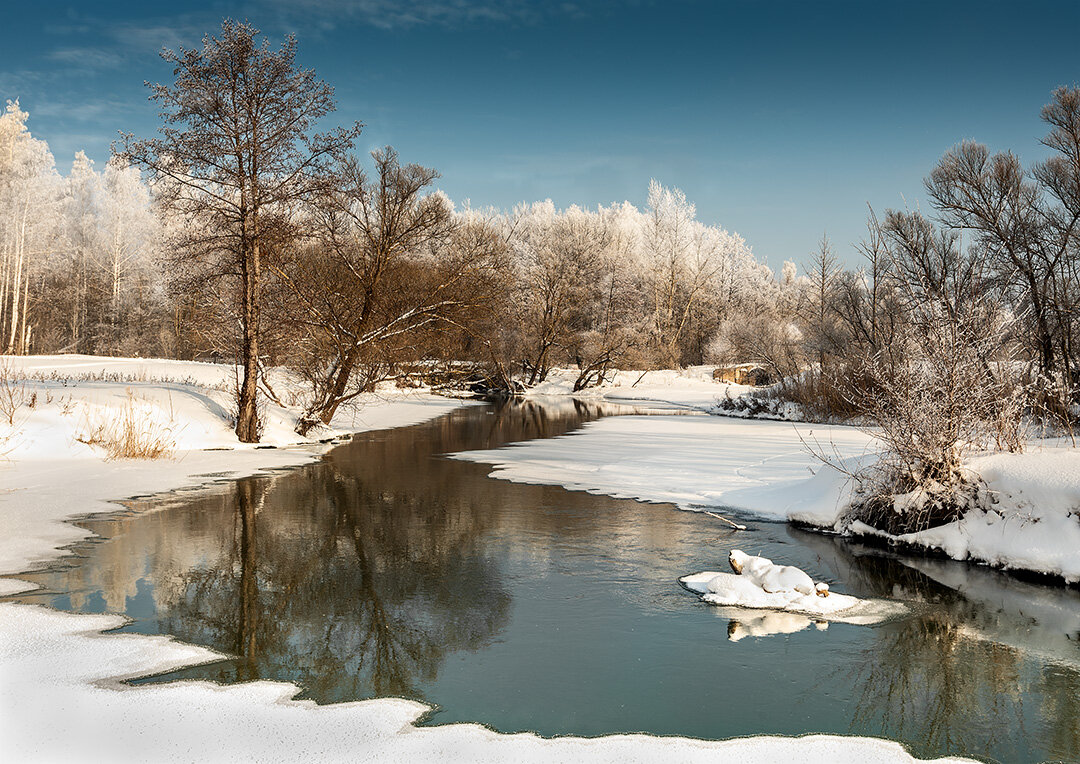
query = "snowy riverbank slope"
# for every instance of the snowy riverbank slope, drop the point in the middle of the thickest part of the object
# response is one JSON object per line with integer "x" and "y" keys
{"x": 764, "y": 468}
{"x": 690, "y": 388}
{"x": 66, "y": 399}
{"x": 60, "y": 698}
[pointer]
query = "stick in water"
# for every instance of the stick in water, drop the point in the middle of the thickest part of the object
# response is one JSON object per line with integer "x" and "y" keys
{"x": 734, "y": 525}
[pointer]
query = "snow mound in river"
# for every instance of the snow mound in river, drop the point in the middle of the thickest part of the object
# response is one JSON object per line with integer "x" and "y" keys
{"x": 739, "y": 591}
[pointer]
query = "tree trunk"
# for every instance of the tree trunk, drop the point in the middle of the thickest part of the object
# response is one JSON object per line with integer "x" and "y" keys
{"x": 336, "y": 389}
{"x": 247, "y": 419}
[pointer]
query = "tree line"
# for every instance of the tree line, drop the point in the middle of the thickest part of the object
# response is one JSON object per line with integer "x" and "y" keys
{"x": 246, "y": 231}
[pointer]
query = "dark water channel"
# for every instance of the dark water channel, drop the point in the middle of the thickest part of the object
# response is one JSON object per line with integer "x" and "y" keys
{"x": 390, "y": 570}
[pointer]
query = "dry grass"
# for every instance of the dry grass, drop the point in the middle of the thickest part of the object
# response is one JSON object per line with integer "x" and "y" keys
{"x": 131, "y": 435}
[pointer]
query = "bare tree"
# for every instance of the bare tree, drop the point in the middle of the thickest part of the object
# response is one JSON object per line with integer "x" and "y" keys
{"x": 237, "y": 151}
{"x": 1029, "y": 225}
{"x": 824, "y": 272}
{"x": 385, "y": 259}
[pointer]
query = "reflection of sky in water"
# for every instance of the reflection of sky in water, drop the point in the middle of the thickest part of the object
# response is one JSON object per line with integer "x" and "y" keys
{"x": 392, "y": 571}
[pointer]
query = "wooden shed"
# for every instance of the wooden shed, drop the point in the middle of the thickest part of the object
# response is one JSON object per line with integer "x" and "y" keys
{"x": 751, "y": 374}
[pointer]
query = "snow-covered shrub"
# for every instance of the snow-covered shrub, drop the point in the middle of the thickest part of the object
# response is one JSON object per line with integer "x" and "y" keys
{"x": 948, "y": 392}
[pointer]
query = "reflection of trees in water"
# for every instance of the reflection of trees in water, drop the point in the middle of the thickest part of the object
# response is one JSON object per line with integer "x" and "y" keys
{"x": 946, "y": 679}
{"x": 366, "y": 598}
{"x": 358, "y": 577}
{"x": 929, "y": 683}
{"x": 1059, "y": 687}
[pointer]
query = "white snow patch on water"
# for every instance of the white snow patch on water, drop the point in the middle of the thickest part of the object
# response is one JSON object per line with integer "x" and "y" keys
{"x": 734, "y": 590}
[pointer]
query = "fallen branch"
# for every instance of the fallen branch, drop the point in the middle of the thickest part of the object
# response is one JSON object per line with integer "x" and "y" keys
{"x": 733, "y": 524}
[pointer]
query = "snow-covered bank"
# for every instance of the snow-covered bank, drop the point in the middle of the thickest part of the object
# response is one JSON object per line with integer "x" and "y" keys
{"x": 1034, "y": 524}
{"x": 691, "y": 388}
{"x": 764, "y": 468}
{"x": 59, "y": 695}
{"x": 760, "y": 467}
{"x": 61, "y": 401}
{"x": 62, "y": 702}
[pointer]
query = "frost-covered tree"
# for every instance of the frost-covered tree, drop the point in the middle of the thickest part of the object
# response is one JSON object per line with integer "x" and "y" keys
{"x": 29, "y": 206}
{"x": 126, "y": 225}
{"x": 557, "y": 258}
{"x": 694, "y": 274}
{"x": 127, "y": 232}
{"x": 82, "y": 188}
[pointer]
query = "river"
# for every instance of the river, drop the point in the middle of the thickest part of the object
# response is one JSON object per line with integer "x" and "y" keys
{"x": 387, "y": 569}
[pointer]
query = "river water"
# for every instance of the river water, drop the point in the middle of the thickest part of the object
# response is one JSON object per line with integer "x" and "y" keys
{"x": 388, "y": 569}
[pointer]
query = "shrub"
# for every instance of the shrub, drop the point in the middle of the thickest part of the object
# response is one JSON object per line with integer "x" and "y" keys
{"x": 134, "y": 434}
{"x": 13, "y": 394}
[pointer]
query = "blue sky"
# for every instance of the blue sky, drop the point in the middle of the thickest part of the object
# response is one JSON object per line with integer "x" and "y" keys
{"x": 780, "y": 120}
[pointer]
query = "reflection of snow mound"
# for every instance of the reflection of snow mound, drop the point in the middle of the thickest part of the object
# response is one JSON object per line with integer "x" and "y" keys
{"x": 740, "y": 591}
{"x": 765, "y": 623}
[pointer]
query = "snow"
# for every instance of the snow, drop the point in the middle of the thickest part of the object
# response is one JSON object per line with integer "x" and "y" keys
{"x": 60, "y": 689}
{"x": 188, "y": 402}
{"x": 759, "y": 467}
{"x": 761, "y": 584}
{"x": 691, "y": 388}
{"x": 769, "y": 576}
{"x": 1035, "y": 523}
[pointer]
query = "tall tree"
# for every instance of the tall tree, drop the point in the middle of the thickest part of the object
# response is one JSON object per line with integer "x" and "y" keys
{"x": 823, "y": 271}
{"x": 237, "y": 150}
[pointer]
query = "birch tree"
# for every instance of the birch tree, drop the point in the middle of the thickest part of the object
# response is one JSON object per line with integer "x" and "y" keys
{"x": 29, "y": 205}
{"x": 126, "y": 232}
{"x": 683, "y": 259}
{"x": 80, "y": 229}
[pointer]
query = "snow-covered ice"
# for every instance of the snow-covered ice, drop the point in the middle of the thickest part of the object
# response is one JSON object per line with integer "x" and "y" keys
{"x": 690, "y": 388}
{"x": 760, "y": 467}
